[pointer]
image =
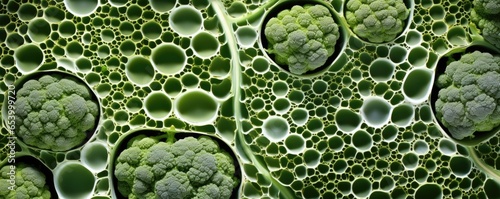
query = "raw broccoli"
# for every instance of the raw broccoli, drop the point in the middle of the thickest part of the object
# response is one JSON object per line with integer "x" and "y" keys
{"x": 302, "y": 38}
{"x": 54, "y": 113}
{"x": 470, "y": 94}
{"x": 187, "y": 168}
{"x": 29, "y": 183}
{"x": 485, "y": 15}
{"x": 376, "y": 20}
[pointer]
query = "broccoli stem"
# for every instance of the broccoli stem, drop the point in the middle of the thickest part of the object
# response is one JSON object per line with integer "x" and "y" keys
{"x": 255, "y": 15}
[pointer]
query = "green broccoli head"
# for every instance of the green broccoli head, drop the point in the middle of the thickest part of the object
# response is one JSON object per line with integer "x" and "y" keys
{"x": 29, "y": 183}
{"x": 376, "y": 20}
{"x": 188, "y": 168}
{"x": 485, "y": 15}
{"x": 470, "y": 95}
{"x": 303, "y": 37}
{"x": 54, "y": 113}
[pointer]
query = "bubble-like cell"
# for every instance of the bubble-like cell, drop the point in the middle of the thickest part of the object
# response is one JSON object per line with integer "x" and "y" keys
{"x": 172, "y": 87}
{"x": 347, "y": 120}
{"x": 457, "y": 36}
{"x": 185, "y": 20}
{"x": 260, "y": 65}
{"x": 439, "y": 27}
{"x": 26, "y": 11}
{"x": 28, "y": 58}
{"x": 246, "y": 36}
{"x": 118, "y": 3}
{"x": 275, "y": 128}
{"x": 429, "y": 191}
{"x": 281, "y": 105}
{"x": 382, "y": 70}
{"x": 280, "y": 88}
{"x": 121, "y": 117}
{"x": 421, "y": 147}
{"x": 14, "y": 40}
{"x": 376, "y": 111}
{"x": 460, "y": 166}
{"x": 410, "y": 161}
{"x": 491, "y": 188}
{"x": 361, "y": 187}
{"x": 39, "y": 30}
{"x": 95, "y": 156}
{"x": 417, "y": 85}
{"x": 151, "y": 30}
{"x": 67, "y": 29}
{"x": 336, "y": 143}
{"x": 295, "y": 144}
{"x": 81, "y": 8}
{"x": 83, "y": 65}
{"x": 299, "y": 116}
{"x": 162, "y": 6}
{"x": 413, "y": 38}
{"x": 190, "y": 80}
{"x": 74, "y": 49}
{"x": 126, "y": 28}
{"x": 69, "y": 185}
{"x": 315, "y": 125}
{"x": 257, "y": 104}
{"x": 379, "y": 195}
{"x": 134, "y": 104}
{"x": 169, "y": 59}
{"x": 205, "y": 45}
{"x": 127, "y": 47}
{"x": 139, "y": 70}
{"x": 103, "y": 51}
{"x": 158, "y": 105}
{"x": 196, "y": 107}
{"x": 312, "y": 158}
{"x": 387, "y": 183}
{"x": 437, "y": 12}
{"x": 402, "y": 115}
{"x": 397, "y": 54}
{"x": 340, "y": 166}
{"x": 319, "y": 87}
{"x": 107, "y": 35}
{"x": 418, "y": 56}
{"x": 362, "y": 140}
{"x": 54, "y": 14}
{"x": 134, "y": 12}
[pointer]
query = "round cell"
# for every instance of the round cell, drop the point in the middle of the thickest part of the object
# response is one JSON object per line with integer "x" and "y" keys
{"x": 81, "y": 8}
{"x": 382, "y": 70}
{"x": 347, "y": 120}
{"x": 410, "y": 161}
{"x": 158, "y": 105}
{"x": 447, "y": 147}
{"x": 260, "y": 65}
{"x": 421, "y": 147}
{"x": 246, "y": 36}
{"x": 26, "y": 12}
{"x": 140, "y": 71}
{"x": 69, "y": 185}
{"x": 169, "y": 59}
{"x": 185, "y": 20}
{"x": 257, "y": 104}
{"x": 439, "y": 27}
{"x": 83, "y": 65}
{"x": 295, "y": 144}
{"x": 134, "y": 104}
{"x": 103, "y": 51}
{"x": 126, "y": 28}
{"x": 417, "y": 85}
{"x": 162, "y": 6}
{"x": 127, "y": 47}
{"x": 299, "y": 116}
{"x": 376, "y": 111}
{"x": 361, "y": 187}
{"x": 67, "y": 29}
{"x": 39, "y": 30}
{"x": 362, "y": 141}
{"x": 95, "y": 156}
{"x": 397, "y": 54}
{"x": 28, "y": 58}
{"x": 134, "y": 12}
{"x": 275, "y": 128}
{"x": 437, "y": 12}
{"x": 205, "y": 45}
{"x": 315, "y": 125}
{"x": 460, "y": 166}
{"x": 172, "y": 87}
{"x": 151, "y": 30}
{"x": 312, "y": 158}
{"x": 196, "y": 107}
{"x": 418, "y": 56}
{"x": 429, "y": 191}
{"x": 107, "y": 35}
{"x": 402, "y": 115}
{"x": 14, "y": 40}
{"x": 319, "y": 87}
{"x": 74, "y": 49}
{"x": 413, "y": 38}
{"x": 281, "y": 105}
{"x": 280, "y": 88}
{"x": 118, "y": 3}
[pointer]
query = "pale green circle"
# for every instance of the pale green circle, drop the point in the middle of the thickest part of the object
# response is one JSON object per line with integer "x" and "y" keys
{"x": 67, "y": 29}
{"x": 347, "y": 120}
{"x": 158, "y": 105}
{"x": 139, "y": 70}
{"x": 361, "y": 187}
{"x": 417, "y": 84}
{"x": 95, "y": 156}
{"x": 151, "y": 30}
{"x": 382, "y": 70}
{"x": 196, "y": 107}
{"x": 185, "y": 20}
{"x": 312, "y": 158}
{"x": 81, "y": 8}
{"x": 362, "y": 141}
{"x": 69, "y": 185}
{"x": 162, "y": 6}
{"x": 429, "y": 191}
{"x": 74, "y": 49}
{"x": 205, "y": 45}
{"x": 376, "y": 111}
{"x": 295, "y": 144}
{"x": 39, "y": 30}
{"x": 107, "y": 35}
{"x": 275, "y": 128}
{"x": 26, "y": 12}
{"x": 246, "y": 36}
{"x": 169, "y": 59}
{"x": 280, "y": 88}
{"x": 299, "y": 116}
{"x": 260, "y": 65}
{"x": 28, "y": 57}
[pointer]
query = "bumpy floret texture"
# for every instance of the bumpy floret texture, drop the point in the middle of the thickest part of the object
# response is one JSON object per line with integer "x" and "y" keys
{"x": 470, "y": 95}
{"x": 376, "y": 20}
{"x": 188, "y": 168}
{"x": 54, "y": 113}
{"x": 29, "y": 183}
{"x": 303, "y": 37}
{"x": 485, "y": 15}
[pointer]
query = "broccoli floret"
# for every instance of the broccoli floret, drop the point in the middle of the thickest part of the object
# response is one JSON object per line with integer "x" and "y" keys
{"x": 29, "y": 183}
{"x": 376, "y": 20}
{"x": 54, "y": 113}
{"x": 303, "y": 38}
{"x": 485, "y": 15}
{"x": 187, "y": 168}
{"x": 469, "y": 97}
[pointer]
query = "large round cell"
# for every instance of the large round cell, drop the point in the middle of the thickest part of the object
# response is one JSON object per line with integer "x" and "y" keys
{"x": 275, "y": 128}
{"x": 246, "y": 36}
{"x": 347, "y": 120}
{"x": 169, "y": 59}
{"x": 26, "y": 12}
{"x": 158, "y": 105}
{"x": 81, "y": 8}
{"x": 381, "y": 70}
{"x": 417, "y": 85}
{"x": 95, "y": 156}
{"x": 376, "y": 111}
{"x": 429, "y": 191}
{"x": 28, "y": 57}
{"x": 196, "y": 107}
{"x": 69, "y": 185}
{"x": 39, "y": 30}
{"x": 205, "y": 45}
{"x": 162, "y": 6}
{"x": 295, "y": 144}
{"x": 185, "y": 20}
{"x": 151, "y": 30}
{"x": 140, "y": 71}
